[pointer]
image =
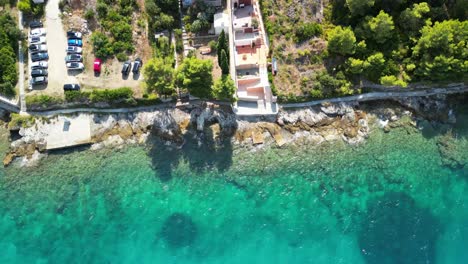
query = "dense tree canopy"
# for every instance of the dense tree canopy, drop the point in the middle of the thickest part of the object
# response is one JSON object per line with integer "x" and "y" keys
{"x": 195, "y": 75}
{"x": 341, "y": 41}
{"x": 423, "y": 44}
{"x": 442, "y": 50}
{"x": 359, "y": 7}
{"x": 9, "y": 37}
{"x": 381, "y": 27}
{"x": 413, "y": 19}
{"x": 162, "y": 14}
{"x": 159, "y": 76}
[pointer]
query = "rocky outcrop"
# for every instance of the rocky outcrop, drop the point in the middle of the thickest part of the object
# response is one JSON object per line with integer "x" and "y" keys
{"x": 430, "y": 107}
{"x": 346, "y": 122}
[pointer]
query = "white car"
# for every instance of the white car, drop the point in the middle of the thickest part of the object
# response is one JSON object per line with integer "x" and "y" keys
{"x": 75, "y": 66}
{"x": 74, "y": 50}
{"x": 39, "y": 65}
{"x": 37, "y": 32}
{"x": 37, "y": 40}
{"x": 37, "y": 48}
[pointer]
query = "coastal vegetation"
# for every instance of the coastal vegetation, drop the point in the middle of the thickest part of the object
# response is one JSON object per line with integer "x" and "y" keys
{"x": 198, "y": 16}
{"x": 194, "y": 75}
{"x": 28, "y": 7}
{"x": 115, "y": 37}
{"x": 9, "y": 37}
{"x": 99, "y": 98}
{"x": 17, "y": 121}
{"x": 354, "y": 42}
{"x": 162, "y": 14}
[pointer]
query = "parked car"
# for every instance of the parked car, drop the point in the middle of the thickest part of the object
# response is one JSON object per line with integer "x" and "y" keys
{"x": 75, "y": 66}
{"x": 74, "y": 50}
{"x": 37, "y": 73}
{"x": 36, "y": 48}
{"x": 37, "y": 32}
{"x": 97, "y": 65}
{"x": 37, "y": 40}
{"x": 35, "y": 24}
{"x": 126, "y": 67}
{"x": 39, "y": 65}
{"x": 75, "y": 42}
{"x": 74, "y": 58}
{"x": 39, "y": 56}
{"x": 73, "y": 34}
{"x": 71, "y": 87}
{"x": 39, "y": 80}
{"x": 137, "y": 66}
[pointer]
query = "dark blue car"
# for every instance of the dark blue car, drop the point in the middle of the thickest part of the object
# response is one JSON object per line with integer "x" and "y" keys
{"x": 75, "y": 42}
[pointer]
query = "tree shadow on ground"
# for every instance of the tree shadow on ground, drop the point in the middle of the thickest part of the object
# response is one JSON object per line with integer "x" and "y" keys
{"x": 201, "y": 150}
{"x": 396, "y": 230}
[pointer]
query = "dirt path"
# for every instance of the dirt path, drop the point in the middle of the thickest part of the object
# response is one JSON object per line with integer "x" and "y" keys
{"x": 57, "y": 44}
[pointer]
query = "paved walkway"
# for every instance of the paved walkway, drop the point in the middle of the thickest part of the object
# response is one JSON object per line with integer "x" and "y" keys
{"x": 381, "y": 96}
{"x": 22, "y": 96}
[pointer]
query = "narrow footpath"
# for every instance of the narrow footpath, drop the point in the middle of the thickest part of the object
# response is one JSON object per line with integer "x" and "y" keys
{"x": 22, "y": 96}
{"x": 382, "y": 96}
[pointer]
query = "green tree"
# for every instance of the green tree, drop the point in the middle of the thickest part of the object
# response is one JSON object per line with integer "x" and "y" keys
{"x": 199, "y": 25}
{"x": 195, "y": 75}
{"x": 159, "y": 76}
{"x": 222, "y": 45}
{"x": 224, "y": 88}
{"x": 374, "y": 66}
{"x": 355, "y": 66}
{"x": 359, "y": 7}
{"x": 8, "y": 71}
{"x": 341, "y": 41}
{"x": 412, "y": 19}
{"x": 381, "y": 27}
{"x": 441, "y": 52}
{"x": 224, "y": 63}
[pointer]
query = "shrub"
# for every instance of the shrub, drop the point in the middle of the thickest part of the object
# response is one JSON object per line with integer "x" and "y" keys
{"x": 307, "y": 31}
{"x": 254, "y": 23}
{"x": 42, "y": 100}
{"x": 89, "y": 14}
{"x": 122, "y": 56}
{"x": 101, "y": 45}
{"x": 18, "y": 121}
{"x": 108, "y": 95}
{"x": 25, "y": 6}
{"x": 76, "y": 96}
{"x": 212, "y": 44}
{"x": 101, "y": 9}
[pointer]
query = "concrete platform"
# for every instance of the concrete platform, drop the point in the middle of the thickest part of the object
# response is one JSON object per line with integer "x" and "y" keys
{"x": 69, "y": 132}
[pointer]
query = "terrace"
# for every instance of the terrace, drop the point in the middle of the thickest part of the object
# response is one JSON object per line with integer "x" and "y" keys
{"x": 250, "y": 60}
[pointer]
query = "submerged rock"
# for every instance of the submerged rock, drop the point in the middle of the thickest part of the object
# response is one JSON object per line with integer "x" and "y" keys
{"x": 179, "y": 230}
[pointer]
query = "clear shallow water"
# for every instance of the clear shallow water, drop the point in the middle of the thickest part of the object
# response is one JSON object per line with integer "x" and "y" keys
{"x": 388, "y": 201}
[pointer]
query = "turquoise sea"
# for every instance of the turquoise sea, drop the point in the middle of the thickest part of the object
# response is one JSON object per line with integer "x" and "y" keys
{"x": 390, "y": 200}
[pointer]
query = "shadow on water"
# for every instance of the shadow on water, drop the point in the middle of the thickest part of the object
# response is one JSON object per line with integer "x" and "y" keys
{"x": 395, "y": 230}
{"x": 209, "y": 149}
{"x": 179, "y": 230}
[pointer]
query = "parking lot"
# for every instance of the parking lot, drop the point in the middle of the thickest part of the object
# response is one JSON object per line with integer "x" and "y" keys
{"x": 58, "y": 74}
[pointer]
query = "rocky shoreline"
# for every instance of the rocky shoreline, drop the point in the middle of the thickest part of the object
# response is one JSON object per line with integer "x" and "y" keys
{"x": 348, "y": 122}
